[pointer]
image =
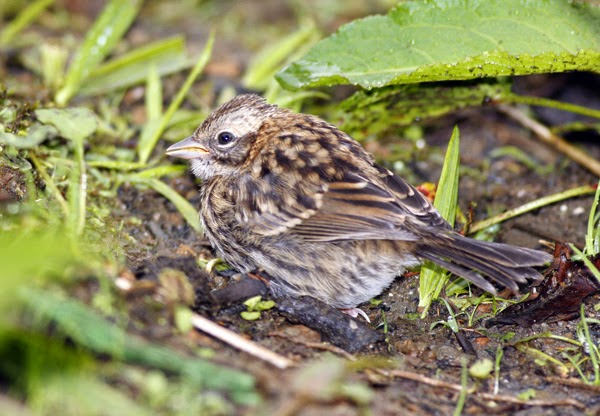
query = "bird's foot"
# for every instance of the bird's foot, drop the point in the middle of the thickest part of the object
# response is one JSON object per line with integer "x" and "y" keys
{"x": 354, "y": 312}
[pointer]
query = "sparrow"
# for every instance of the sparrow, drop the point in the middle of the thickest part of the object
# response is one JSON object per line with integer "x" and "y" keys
{"x": 293, "y": 196}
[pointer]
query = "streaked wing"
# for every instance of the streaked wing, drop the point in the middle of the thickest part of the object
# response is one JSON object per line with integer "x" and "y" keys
{"x": 410, "y": 200}
{"x": 319, "y": 184}
{"x": 359, "y": 209}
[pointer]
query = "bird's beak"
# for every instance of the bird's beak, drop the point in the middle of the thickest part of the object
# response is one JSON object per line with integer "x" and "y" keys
{"x": 187, "y": 149}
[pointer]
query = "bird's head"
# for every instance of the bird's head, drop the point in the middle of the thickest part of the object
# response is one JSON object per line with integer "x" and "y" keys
{"x": 222, "y": 143}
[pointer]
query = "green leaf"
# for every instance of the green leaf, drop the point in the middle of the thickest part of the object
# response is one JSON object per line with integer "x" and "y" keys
{"x": 250, "y": 315}
{"x": 528, "y": 394}
{"x": 481, "y": 369}
{"x": 74, "y": 123}
{"x": 436, "y": 40}
{"x": 265, "y": 305}
{"x": 100, "y": 40}
{"x": 36, "y": 134}
{"x": 252, "y": 302}
{"x": 433, "y": 277}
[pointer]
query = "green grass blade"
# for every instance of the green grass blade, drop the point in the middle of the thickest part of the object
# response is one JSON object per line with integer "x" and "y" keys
{"x": 593, "y": 348}
{"x": 162, "y": 170}
{"x": 154, "y": 96}
{"x": 115, "y": 165}
{"x": 433, "y": 278}
{"x": 590, "y": 237}
{"x": 265, "y": 64}
{"x": 77, "y": 194}
{"x": 24, "y": 19}
{"x": 152, "y": 133}
{"x": 592, "y": 268}
{"x": 75, "y": 124}
{"x": 185, "y": 208}
{"x": 88, "y": 329}
{"x": 464, "y": 391}
{"x": 446, "y": 197}
{"x": 168, "y": 56}
{"x": 101, "y": 39}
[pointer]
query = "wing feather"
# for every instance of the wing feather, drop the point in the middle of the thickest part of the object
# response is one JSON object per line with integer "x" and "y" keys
{"x": 325, "y": 187}
{"x": 352, "y": 208}
{"x": 358, "y": 208}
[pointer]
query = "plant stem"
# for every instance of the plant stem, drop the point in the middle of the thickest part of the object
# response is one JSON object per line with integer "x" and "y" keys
{"x": 552, "y": 139}
{"x": 530, "y": 206}
{"x": 546, "y": 102}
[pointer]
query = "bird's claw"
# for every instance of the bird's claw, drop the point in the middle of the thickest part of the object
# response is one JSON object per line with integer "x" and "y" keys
{"x": 354, "y": 312}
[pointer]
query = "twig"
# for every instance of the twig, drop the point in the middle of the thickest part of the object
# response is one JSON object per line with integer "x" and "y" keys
{"x": 434, "y": 382}
{"x": 237, "y": 341}
{"x": 487, "y": 396}
{"x": 552, "y": 139}
{"x": 317, "y": 346}
{"x": 573, "y": 382}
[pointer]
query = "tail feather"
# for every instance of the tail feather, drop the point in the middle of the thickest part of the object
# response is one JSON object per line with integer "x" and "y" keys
{"x": 463, "y": 272}
{"x": 473, "y": 259}
{"x": 491, "y": 270}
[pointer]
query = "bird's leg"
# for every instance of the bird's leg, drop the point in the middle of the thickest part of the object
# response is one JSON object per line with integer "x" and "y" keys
{"x": 354, "y": 312}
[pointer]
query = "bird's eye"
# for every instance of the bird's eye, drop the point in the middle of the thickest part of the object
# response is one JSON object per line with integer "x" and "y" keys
{"x": 225, "y": 137}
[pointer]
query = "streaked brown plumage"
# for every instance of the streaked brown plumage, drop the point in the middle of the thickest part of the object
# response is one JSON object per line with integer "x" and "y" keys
{"x": 296, "y": 197}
